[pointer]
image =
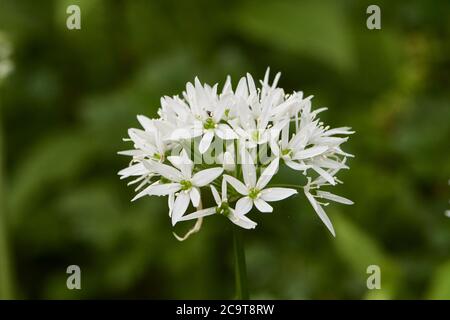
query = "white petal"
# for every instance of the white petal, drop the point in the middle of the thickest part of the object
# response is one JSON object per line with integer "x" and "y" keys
{"x": 206, "y": 141}
{"x": 296, "y": 166}
{"x": 183, "y": 163}
{"x": 324, "y": 174}
{"x": 143, "y": 181}
{"x": 276, "y": 129}
{"x": 219, "y": 111}
{"x": 195, "y": 196}
{"x": 264, "y": 137}
{"x": 241, "y": 89}
{"x": 330, "y": 141}
{"x": 274, "y": 147}
{"x": 224, "y": 132}
{"x": 277, "y": 194}
{"x": 166, "y": 171}
{"x": 263, "y": 206}
{"x": 183, "y": 133}
{"x": 251, "y": 84}
{"x": 333, "y": 197}
{"x": 159, "y": 189}
{"x": 204, "y": 177}
{"x": 224, "y": 190}
{"x": 146, "y": 123}
{"x": 241, "y": 132}
{"x": 275, "y": 81}
{"x": 228, "y": 161}
{"x": 265, "y": 83}
{"x": 216, "y": 194}
{"x": 320, "y": 212}
{"x": 163, "y": 189}
{"x": 310, "y": 152}
{"x": 250, "y": 144}
{"x": 134, "y": 170}
{"x": 132, "y": 153}
{"x": 141, "y": 138}
{"x": 227, "y": 86}
{"x": 267, "y": 174}
{"x": 329, "y": 164}
{"x": 342, "y": 130}
{"x": 180, "y": 206}
{"x": 236, "y": 184}
{"x": 241, "y": 220}
{"x": 170, "y": 202}
{"x": 285, "y": 136}
{"x": 248, "y": 169}
{"x": 198, "y": 214}
{"x": 244, "y": 205}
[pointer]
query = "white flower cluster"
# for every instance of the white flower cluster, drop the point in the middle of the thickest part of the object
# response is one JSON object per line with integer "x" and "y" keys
{"x": 234, "y": 140}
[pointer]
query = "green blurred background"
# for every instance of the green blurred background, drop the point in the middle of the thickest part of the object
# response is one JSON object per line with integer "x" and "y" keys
{"x": 73, "y": 94}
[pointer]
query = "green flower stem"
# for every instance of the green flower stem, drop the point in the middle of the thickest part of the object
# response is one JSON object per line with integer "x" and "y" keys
{"x": 6, "y": 285}
{"x": 240, "y": 267}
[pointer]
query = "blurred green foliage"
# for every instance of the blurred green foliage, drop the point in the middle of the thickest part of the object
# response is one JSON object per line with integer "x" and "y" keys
{"x": 73, "y": 95}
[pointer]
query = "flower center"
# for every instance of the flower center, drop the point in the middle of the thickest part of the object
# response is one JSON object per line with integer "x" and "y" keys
{"x": 286, "y": 152}
{"x": 157, "y": 156}
{"x": 255, "y": 135}
{"x": 254, "y": 193}
{"x": 209, "y": 124}
{"x": 223, "y": 209}
{"x": 185, "y": 185}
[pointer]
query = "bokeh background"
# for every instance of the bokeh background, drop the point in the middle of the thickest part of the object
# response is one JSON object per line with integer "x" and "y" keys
{"x": 73, "y": 94}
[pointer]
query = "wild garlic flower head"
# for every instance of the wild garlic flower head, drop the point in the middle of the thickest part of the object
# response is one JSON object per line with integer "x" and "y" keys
{"x": 235, "y": 141}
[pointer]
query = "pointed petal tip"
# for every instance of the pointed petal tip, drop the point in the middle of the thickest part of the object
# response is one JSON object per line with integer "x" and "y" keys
{"x": 331, "y": 229}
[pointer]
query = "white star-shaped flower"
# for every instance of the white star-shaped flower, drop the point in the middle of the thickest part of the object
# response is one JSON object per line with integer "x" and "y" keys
{"x": 253, "y": 190}
{"x": 180, "y": 182}
{"x": 223, "y": 208}
{"x": 324, "y": 195}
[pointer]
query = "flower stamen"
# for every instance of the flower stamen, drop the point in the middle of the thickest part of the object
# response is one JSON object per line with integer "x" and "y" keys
{"x": 209, "y": 124}
{"x": 254, "y": 193}
{"x": 185, "y": 185}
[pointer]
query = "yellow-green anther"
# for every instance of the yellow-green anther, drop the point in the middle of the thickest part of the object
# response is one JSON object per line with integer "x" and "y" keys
{"x": 185, "y": 185}
{"x": 209, "y": 124}
{"x": 254, "y": 193}
{"x": 223, "y": 209}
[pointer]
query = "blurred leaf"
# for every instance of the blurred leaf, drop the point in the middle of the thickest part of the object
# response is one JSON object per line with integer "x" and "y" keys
{"x": 421, "y": 134}
{"x": 359, "y": 251}
{"x": 59, "y": 157}
{"x": 317, "y": 29}
{"x": 94, "y": 215}
{"x": 440, "y": 283}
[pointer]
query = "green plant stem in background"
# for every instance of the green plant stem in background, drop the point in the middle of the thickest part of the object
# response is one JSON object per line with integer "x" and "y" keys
{"x": 240, "y": 267}
{"x": 6, "y": 286}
